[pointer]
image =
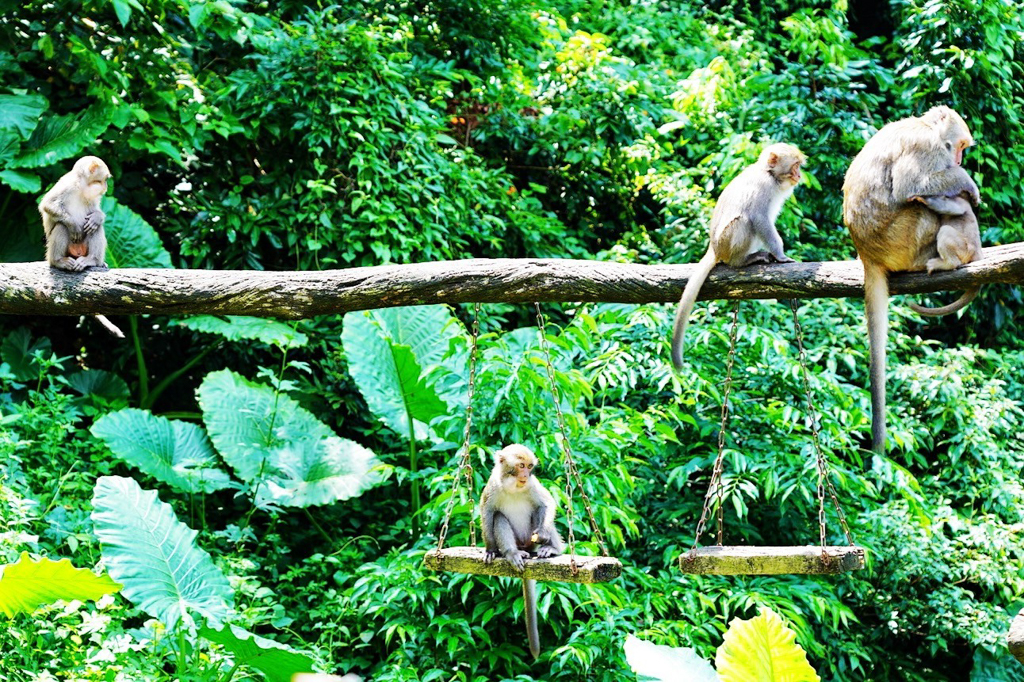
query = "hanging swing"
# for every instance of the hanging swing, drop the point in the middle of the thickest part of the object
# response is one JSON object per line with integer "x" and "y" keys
{"x": 568, "y": 567}
{"x": 752, "y": 560}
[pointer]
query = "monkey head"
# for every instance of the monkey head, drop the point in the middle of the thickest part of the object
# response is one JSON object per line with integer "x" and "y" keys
{"x": 93, "y": 175}
{"x": 951, "y": 129}
{"x": 517, "y": 463}
{"x": 783, "y": 161}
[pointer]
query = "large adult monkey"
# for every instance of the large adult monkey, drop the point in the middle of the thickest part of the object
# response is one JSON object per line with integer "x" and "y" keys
{"x": 894, "y": 206}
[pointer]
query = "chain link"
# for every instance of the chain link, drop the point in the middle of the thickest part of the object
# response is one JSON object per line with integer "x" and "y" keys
{"x": 824, "y": 477}
{"x": 465, "y": 463}
{"x": 572, "y": 472}
{"x": 715, "y": 486}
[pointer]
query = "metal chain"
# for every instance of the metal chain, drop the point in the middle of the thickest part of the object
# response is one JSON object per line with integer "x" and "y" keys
{"x": 572, "y": 472}
{"x": 715, "y": 486}
{"x": 824, "y": 477}
{"x": 465, "y": 463}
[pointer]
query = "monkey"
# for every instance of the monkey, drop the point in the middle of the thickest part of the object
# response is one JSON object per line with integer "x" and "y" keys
{"x": 72, "y": 218}
{"x": 73, "y": 222}
{"x": 958, "y": 241}
{"x": 743, "y": 226}
{"x": 518, "y": 516}
{"x": 905, "y": 204}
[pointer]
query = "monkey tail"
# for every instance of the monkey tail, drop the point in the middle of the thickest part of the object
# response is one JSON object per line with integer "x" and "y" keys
{"x": 109, "y": 326}
{"x": 685, "y": 307}
{"x": 530, "y": 610}
{"x": 956, "y": 305}
{"x": 876, "y": 309}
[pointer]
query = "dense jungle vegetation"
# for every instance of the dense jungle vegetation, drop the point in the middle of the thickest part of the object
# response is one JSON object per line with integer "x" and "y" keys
{"x": 315, "y": 459}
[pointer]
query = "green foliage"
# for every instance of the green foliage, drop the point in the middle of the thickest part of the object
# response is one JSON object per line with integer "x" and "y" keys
{"x": 277, "y": 662}
{"x": 156, "y": 557}
{"x": 173, "y": 452}
{"x": 294, "y": 136}
{"x": 28, "y": 583}
{"x": 282, "y": 451}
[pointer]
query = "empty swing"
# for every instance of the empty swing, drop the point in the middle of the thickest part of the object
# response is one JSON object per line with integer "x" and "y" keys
{"x": 755, "y": 560}
{"x": 568, "y": 567}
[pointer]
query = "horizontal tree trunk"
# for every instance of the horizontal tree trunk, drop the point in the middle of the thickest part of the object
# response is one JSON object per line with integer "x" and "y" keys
{"x": 36, "y": 289}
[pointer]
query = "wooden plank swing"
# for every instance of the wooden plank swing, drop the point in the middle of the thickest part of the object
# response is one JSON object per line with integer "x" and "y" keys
{"x": 752, "y": 560}
{"x": 569, "y": 567}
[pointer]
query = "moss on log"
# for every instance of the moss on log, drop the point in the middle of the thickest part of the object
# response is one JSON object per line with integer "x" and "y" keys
{"x": 591, "y": 569}
{"x": 747, "y": 560}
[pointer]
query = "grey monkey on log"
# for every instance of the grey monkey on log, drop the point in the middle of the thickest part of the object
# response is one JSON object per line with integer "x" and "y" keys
{"x": 743, "y": 226}
{"x": 518, "y": 515}
{"x": 907, "y": 204}
{"x": 73, "y": 221}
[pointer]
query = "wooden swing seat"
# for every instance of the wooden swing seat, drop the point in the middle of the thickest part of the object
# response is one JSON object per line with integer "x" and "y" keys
{"x": 591, "y": 569}
{"x": 748, "y": 560}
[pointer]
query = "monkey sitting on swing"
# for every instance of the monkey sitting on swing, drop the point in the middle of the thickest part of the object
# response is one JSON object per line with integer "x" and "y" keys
{"x": 519, "y": 517}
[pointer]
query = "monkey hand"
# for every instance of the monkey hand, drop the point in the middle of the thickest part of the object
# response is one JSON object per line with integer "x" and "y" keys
{"x": 540, "y": 537}
{"x": 490, "y": 555}
{"x": 517, "y": 558}
{"x": 783, "y": 259}
{"x": 93, "y": 221}
{"x": 546, "y": 552}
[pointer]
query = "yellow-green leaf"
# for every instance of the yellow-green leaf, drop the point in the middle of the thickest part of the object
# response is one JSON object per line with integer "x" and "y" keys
{"x": 762, "y": 649}
{"x": 29, "y": 583}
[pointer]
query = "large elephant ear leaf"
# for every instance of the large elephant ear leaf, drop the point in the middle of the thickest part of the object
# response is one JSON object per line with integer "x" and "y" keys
{"x": 277, "y": 662}
{"x": 155, "y": 556}
{"x": 390, "y": 352}
{"x": 659, "y": 663}
{"x": 762, "y": 649}
{"x": 248, "y": 422}
{"x": 29, "y": 583}
{"x": 131, "y": 241}
{"x": 244, "y": 328}
{"x": 173, "y": 452}
{"x": 269, "y": 438}
{"x": 321, "y": 471}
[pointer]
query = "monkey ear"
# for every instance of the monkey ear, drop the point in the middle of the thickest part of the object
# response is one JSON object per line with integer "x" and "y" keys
{"x": 773, "y": 160}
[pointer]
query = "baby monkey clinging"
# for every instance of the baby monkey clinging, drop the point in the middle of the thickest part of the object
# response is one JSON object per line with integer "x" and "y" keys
{"x": 519, "y": 517}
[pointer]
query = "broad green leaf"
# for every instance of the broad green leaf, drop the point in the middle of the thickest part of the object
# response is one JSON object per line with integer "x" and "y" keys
{"x": 239, "y": 328}
{"x": 762, "y": 649}
{"x": 247, "y": 422}
{"x": 29, "y": 583}
{"x": 99, "y": 382}
{"x": 57, "y": 138}
{"x": 173, "y": 452}
{"x": 131, "y": 241}
{"x": 21, "y": 181}
{"x": 659, "y": 663}
{"x": 270, "y": 437}
{"x": 989, "y": 667}
{"x": 18, "y": 350}
{"x": 10, "y": 144}
{"x": 278, "y": 662}
{"x": 320, "y": 471}
{"x": 20, "y": 113}
{"x": 155, "y": 556}
{"x": 390, "y": 352}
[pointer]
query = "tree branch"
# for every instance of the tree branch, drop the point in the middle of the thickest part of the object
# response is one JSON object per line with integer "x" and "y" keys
{"x": 36, "y": 289}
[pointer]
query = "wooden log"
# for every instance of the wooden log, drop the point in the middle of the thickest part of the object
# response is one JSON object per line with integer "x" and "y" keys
{"x": 37, "y": 289}
{"x": 1015, "y": 638}
{"x": 747, "y": 560}
{"x": 591, "y": 569}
